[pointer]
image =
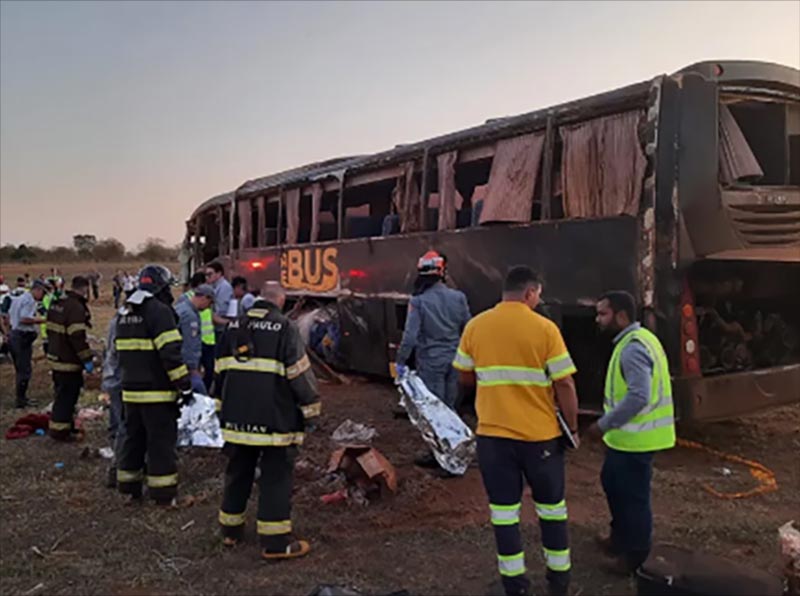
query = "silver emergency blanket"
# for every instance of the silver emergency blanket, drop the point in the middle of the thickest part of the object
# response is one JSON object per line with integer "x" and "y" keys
{"x": 198, "y": 425}
{"x": 452, "y": 441}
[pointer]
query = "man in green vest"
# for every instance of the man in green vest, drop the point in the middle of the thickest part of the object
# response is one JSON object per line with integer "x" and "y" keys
{"x": 638, "y": 422}
{"x": 44, "y": 306}
{"x": 207, "y": 337}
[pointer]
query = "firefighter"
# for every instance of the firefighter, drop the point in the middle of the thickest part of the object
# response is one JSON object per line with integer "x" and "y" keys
{"x": 638, "y": 422}
{"x": 436, "y": 317}
{"x": 155, "y": 382}
{"x": 268, "y": 393}
{"x": 68, "y": 354}
{"x": 523, "y": 371}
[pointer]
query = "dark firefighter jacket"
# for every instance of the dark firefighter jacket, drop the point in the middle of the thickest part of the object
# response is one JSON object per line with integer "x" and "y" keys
{"x": 67, "y": 323}
{"x": 149, "y": 349}
{"x": 265, "y": 380}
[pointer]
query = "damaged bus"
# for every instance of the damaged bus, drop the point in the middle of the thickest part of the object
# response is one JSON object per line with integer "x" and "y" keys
{"x": 683, "y": 190}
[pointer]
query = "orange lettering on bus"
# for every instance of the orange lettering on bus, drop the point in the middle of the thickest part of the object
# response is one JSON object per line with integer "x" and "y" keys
{"x": 312, "y": 269}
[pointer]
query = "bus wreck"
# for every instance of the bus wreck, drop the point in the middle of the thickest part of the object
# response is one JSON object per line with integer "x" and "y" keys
{"x": 683, "y": 190}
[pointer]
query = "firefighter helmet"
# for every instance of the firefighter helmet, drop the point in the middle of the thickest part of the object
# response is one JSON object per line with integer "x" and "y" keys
{"x": 154, "y": 278}
{"x": 431, "y": 263}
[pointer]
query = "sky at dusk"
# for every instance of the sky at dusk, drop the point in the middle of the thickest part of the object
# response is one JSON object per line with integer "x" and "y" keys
{"x": 117, "y": 119}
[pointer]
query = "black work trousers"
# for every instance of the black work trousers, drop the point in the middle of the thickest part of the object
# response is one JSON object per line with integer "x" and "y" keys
{"x": 21, "y": 346}
{"x": 68, "y": 389}
{"x": 626, "y": 478}
{"x": 274, "y": 520}
{"x": 504, "y": 463}
{"x": 151, "y": 436}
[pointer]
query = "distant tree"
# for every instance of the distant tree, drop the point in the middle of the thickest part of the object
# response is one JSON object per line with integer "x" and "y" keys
{"x": 23, "y": 253}
{"x": 6, "y": 252}
{"x": 84, "y": 244}
{"x": 62, "y": 254}
{"x": 154, "y": 249}
{"x": 39, "y": 253}
{"x": 109, "y": 249}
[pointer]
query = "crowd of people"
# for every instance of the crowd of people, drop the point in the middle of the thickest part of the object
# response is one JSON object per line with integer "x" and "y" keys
{"x": 225, "y": 339}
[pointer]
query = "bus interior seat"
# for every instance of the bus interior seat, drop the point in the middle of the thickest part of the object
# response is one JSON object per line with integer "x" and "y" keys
{"x": 391, "y": 225}
{"x": 476, "y": 213}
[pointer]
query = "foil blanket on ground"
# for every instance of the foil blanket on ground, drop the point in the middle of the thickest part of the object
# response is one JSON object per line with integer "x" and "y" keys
{"x": 198, "y": 425}
{"x": 452, "y": 441}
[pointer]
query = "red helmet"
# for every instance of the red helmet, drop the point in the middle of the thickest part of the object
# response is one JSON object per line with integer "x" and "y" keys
{"x": 431, "y": 263}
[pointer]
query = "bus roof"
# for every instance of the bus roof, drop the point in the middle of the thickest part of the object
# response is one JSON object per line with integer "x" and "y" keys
{"x": 495, "y": 128}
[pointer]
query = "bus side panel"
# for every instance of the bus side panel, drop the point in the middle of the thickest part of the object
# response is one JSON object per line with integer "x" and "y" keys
{"x": 706, "y": 222}
{"x": 667, "y": 272}
{"x": 579, "y": 260}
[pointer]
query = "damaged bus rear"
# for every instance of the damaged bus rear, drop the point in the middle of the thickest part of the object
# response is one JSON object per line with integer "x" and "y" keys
{"x": 683, "y": 190}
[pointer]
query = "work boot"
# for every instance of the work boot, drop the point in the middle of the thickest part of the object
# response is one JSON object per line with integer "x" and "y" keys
{"x": 295, "y": 549}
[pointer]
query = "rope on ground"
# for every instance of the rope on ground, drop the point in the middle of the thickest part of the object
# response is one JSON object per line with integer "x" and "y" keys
{"x": 763, "y": 475}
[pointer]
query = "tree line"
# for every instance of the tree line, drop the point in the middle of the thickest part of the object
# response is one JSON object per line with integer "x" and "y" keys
{"x": 86, "y": 247}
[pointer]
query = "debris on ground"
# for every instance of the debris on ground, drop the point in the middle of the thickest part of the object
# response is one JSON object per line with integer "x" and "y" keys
{"x": 34, "y": 590}
{"x": 198, "y": 425}
{"x": 106, "y": 452}
{"x": 790, "y": 552}
{"x": 365, "y": 471}
{"x": 28, "y": 425}
{"x": 324, "y": 372}
{"x": 353, "y": 433}
{"x": 90, "y": 414}
{"x": 451, "y": 441}
{"x": 90, "y": 452}
{"x": 762, "y": 474}
{"x": 306, "y": 470}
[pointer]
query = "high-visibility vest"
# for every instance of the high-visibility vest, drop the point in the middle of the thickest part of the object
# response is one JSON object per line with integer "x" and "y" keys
{"x": 206, "y": 324}
{"x": 207, "y": 327}
{"x": 653, "y": 428}
{"x": 46, "y": 301}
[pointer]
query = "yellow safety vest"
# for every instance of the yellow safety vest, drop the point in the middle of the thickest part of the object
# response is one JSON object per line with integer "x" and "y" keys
{"x": 653, "y": 428}
{"x": 46, "y": 301}
{"x": 206, "y": 324}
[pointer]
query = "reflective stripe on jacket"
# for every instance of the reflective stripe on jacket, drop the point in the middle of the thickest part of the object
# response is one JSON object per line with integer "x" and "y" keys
{"x": 653, "y": 428}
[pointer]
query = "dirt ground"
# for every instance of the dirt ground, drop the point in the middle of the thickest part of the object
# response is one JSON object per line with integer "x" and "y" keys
{"x": 59, "y": 527}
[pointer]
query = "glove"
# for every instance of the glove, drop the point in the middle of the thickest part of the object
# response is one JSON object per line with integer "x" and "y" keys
{"x": 89, "y": 367}
{"x": 402, "y": 370}
{"x": 185, "y": 398}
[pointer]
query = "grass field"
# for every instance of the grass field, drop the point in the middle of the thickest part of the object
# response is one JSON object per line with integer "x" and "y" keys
{"x": 62, "y": 532}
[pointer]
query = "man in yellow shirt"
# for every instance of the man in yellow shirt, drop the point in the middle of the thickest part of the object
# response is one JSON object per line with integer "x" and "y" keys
{"x": 523, "y": 371}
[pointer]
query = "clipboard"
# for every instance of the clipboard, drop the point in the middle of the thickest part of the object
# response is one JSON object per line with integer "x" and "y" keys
{"x": 568, "y": 436}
